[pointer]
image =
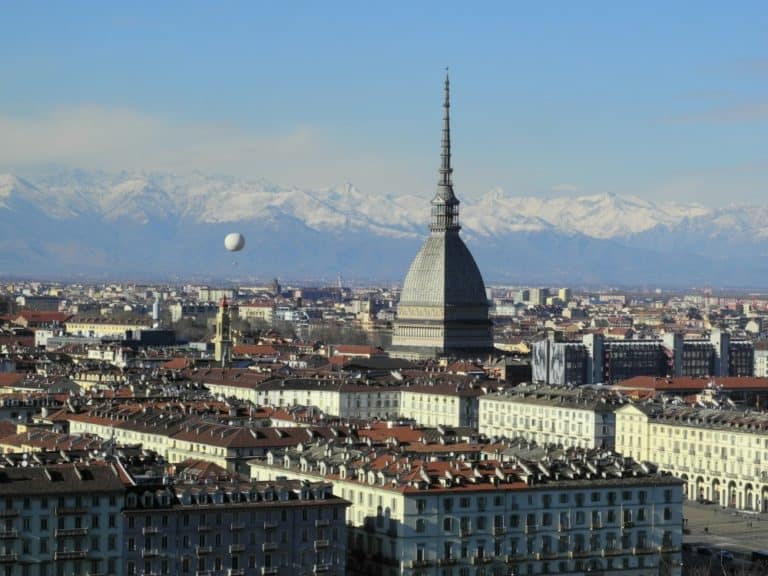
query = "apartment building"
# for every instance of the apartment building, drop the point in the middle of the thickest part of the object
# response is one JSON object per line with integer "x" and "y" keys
{"x": 441, "y": 404}
{"x": 61, "y": 519}
{"x": 178, "y": 436}
{"x": 565, "y": 513}
{"x": 580, "y": 417}
{"x": 235, "y": 528}
{"x": 446, "y": 400}
{"x": 722, "y": 455}
{"x": 98, "y": 327}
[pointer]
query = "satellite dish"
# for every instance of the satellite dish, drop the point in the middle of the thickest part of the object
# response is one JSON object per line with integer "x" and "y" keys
{"x": 234, "y": 242}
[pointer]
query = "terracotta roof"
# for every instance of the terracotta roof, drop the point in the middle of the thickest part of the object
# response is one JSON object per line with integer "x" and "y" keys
{"x": 175, "y": 364}
{"x": 689, "y": 383}
{"x": 255, "y": 349}
{"x": 35, "y": 316}
{"x": 11, "y": 378}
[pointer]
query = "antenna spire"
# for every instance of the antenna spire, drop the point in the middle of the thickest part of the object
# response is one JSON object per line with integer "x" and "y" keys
{"x": 445, "y": 205}
{"x": 445, "y": 149}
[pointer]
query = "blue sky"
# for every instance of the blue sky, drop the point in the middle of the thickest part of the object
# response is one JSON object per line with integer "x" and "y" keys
{"x": 663, "y": 100}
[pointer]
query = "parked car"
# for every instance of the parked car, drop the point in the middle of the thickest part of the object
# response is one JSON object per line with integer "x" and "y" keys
{"x": 724, "y": 555}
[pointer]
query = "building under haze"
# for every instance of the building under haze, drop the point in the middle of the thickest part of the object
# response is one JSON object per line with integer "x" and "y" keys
{"x": 443, "y": 308}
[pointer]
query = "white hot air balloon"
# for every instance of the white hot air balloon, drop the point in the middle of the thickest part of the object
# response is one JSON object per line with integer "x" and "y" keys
{"x": 234, "y": 242}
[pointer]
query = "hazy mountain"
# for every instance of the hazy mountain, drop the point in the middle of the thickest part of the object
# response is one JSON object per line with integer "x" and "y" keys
{"x": 165, "y": 225}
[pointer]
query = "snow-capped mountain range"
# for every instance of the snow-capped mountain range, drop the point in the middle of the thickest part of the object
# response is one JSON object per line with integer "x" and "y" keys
{"x": 162, "y": 224}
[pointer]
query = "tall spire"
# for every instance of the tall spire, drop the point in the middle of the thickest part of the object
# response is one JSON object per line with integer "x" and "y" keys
{"x": 445, "y": 205}
{"x": 445, "y": 149}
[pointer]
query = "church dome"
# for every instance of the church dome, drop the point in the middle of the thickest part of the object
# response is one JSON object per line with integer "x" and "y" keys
{"x": 443, "y": 273}
{"x": 443, "y": 308}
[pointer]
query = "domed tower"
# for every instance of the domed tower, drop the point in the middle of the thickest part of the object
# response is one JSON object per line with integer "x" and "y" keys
{"x": 443, "y": 308}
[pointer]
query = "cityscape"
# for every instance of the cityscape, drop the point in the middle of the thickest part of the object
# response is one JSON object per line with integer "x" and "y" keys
{"x": 204, "y": 373}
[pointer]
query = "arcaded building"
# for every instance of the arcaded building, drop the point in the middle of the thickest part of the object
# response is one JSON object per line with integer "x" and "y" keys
{"x": 443, "y": 309}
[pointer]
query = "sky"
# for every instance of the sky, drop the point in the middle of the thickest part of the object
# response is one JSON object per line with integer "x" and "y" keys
{"x": 661, "y": 100}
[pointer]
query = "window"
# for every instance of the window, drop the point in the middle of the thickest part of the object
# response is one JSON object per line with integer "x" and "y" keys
{"x": 447, "y": 524}
{"x": 420, "y": 525}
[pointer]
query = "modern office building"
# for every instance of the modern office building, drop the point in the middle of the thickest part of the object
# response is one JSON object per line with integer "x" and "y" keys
{"x": 597, "y": 359}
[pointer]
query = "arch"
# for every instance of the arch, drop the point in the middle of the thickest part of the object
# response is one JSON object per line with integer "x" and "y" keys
{"x": 716, "y": 491}
{"x": 749, "y": 497}
{"x": 686, "y": 486}
{"x": 732, "y": 500}
{"x": 764, "y": 498}
{"x": 700, "y": 488}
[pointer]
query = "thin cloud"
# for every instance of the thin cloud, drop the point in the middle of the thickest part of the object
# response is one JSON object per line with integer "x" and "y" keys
{"x": 748, "y": 112}
{"x": 566, "y": 188}
{"x": 93, "y": 137}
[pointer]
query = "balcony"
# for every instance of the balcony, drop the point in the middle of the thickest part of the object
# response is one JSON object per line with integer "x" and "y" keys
{"x": 236, "y": 572}
{"x": 321, "y": 544}
{"x": 447, "y": 561}
{"x": 321, "y": 568}
{"x": 8, "y": 534}
{"x": 65, "y": 532}
{"x": 580, "y": 554}
{"x": 627, "y": 525}
{"x": 9, "y": 557}
{"x": 150, "y": 552}
{"x": 424, "y": 562}
{"x": 202, "y": 550}
{"x": 70, "y": 555}
{"x": 512, "y": 558}
{"x": 235, "y": 548}
{"x": 203, "y": 528}
{"x": 611, "y": 552}
{"x": 150, "y": 530}
{"x": 643, "y": 550}
{"x": 530, "y": 529}
{"x": 235, "y": 526}
{"x": 270, "y": 525}
{"x": 269, "y": 546}
{"x": 69, "y": 511}
{"x": 7, "y": 512}
{"x": 322, "y": 523}
{"x": 498, "y": 530}
{"x": 464, "y": 532}
{"x": 269, "y": 570}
